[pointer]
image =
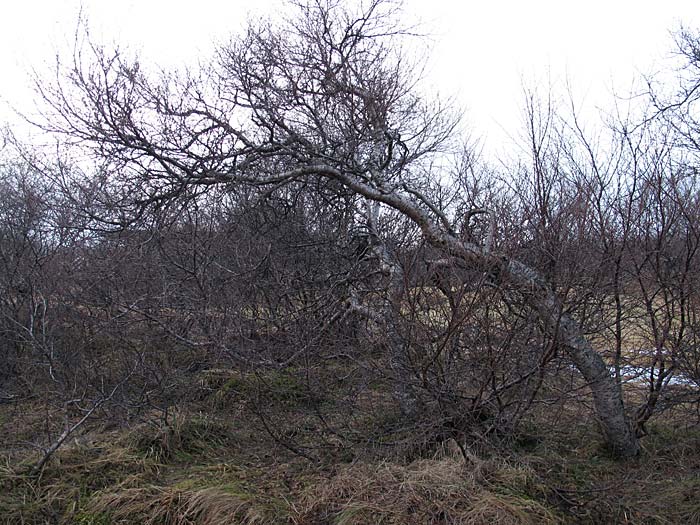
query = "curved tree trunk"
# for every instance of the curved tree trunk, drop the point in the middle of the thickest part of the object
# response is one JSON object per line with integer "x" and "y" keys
{"x": 607, "y": 395}
{"x": 609, "y": 406}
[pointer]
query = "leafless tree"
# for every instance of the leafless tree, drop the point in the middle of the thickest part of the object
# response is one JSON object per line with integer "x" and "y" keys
{"x": 325, "y": 101}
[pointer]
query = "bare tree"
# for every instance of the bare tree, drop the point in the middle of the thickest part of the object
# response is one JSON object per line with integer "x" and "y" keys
{"x": 327, "y": 101}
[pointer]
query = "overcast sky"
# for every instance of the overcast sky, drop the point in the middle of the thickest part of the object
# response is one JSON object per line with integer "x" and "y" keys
{"x": 481, "y": 51}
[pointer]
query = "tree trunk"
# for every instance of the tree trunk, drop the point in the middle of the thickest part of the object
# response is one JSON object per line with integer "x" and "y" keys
{"x": 610, "y": 411}
{"x": 607, "y": 395}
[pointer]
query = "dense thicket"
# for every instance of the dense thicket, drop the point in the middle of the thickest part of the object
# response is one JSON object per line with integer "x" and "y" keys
{"x": 299, "y": 206}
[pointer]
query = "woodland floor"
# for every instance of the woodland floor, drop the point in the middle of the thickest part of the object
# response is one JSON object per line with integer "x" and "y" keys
{"x": 211, "y": 460}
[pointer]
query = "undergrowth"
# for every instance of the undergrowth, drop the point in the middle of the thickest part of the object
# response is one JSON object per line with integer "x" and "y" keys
{"x": 209, "y": 463}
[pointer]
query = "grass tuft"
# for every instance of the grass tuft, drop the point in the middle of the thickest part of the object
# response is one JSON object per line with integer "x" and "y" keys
{"x": 446, "y": 490}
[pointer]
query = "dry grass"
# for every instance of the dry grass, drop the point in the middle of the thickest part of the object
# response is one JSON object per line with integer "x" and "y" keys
{"x": 67, "y": 482}
{"x": 209, "y": 464}
{"x": 444, "y": 490}
{"x": 175, "y": 506}
{"x": 196, "y": 476}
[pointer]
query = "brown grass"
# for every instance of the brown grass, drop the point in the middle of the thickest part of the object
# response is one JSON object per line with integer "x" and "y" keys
{"x": 175, "y": 506}
{"x": 210, "y": 463}
{"x": 440, "y": 491}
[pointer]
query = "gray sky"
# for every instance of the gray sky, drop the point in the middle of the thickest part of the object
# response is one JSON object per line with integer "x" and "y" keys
{"x": 481, "y": 51}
